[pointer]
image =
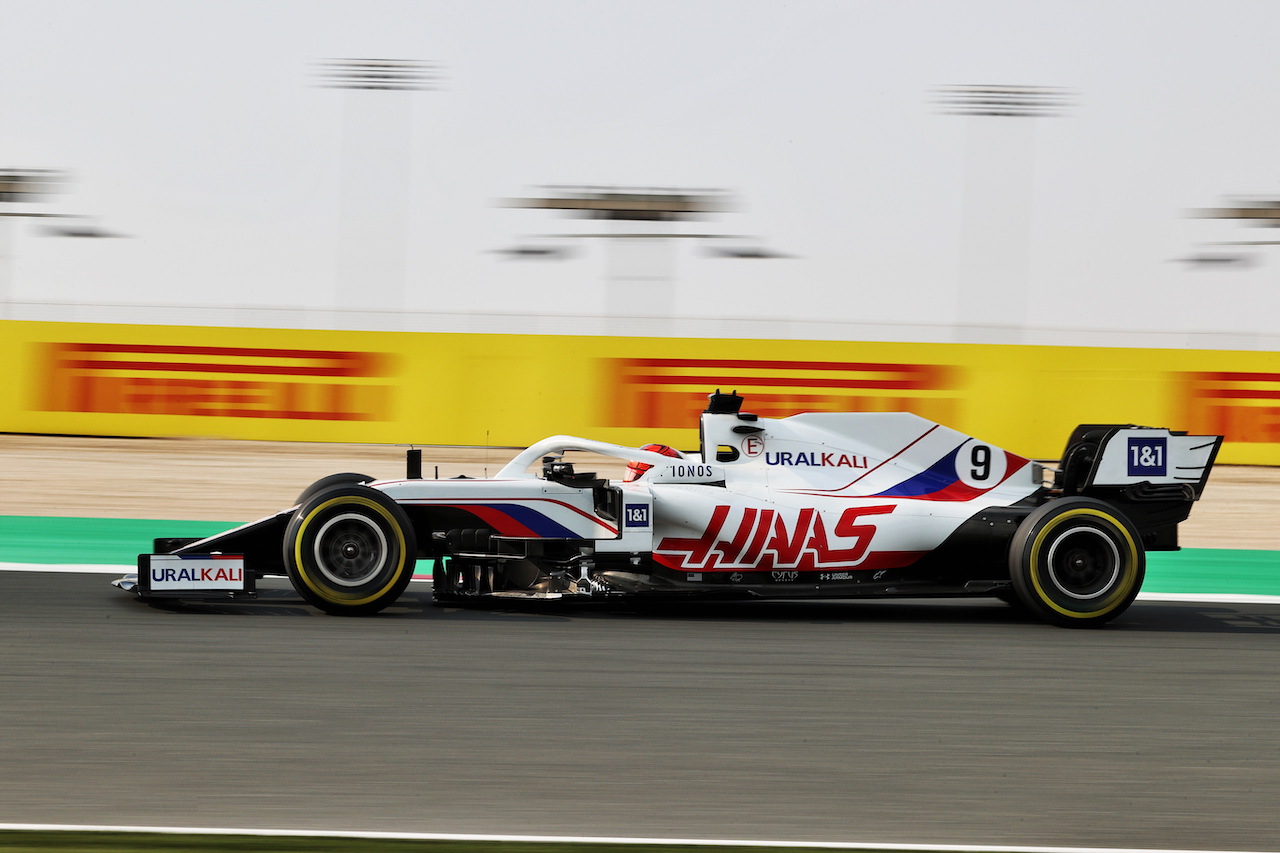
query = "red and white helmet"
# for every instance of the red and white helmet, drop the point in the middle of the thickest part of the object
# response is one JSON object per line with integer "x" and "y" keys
{"x": 636, "y": 470}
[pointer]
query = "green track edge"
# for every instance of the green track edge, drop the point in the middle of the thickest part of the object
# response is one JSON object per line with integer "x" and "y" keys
{"x": 118, "y": 541}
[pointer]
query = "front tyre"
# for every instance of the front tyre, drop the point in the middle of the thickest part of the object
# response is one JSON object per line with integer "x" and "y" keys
{"x": 350, "y": 550}
{"x": 1077, "y": 562}
{"x": 347, "y": 478}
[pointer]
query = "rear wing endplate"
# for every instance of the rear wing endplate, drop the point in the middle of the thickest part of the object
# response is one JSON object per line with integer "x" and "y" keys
{"x": 1127, "y": 455}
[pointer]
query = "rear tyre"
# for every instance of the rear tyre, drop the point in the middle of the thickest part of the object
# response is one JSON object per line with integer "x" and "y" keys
{"x": 350, "y": 550}
{"x": 1077, "y": 562}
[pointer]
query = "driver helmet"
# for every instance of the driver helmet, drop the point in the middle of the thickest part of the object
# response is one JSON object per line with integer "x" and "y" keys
{"x": 636, "y": 470}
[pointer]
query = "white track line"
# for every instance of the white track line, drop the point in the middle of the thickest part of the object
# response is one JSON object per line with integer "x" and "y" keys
{"x": 1189, "y": 597}
{"x": 1210, "y": 597}
{"x": 69, "y": 568}
{"x": 103, "y": 569}
{"x": 576, "y": 839}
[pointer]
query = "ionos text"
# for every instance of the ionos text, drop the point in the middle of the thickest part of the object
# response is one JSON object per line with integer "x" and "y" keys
{"x": 691, "y": 471}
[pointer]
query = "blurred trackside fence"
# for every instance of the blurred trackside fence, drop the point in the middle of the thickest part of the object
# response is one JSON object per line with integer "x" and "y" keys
{"x": 510, "y": 389}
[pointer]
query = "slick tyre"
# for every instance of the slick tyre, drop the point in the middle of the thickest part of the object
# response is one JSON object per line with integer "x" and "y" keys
{"x": 350, "y": 550}
{"x": 1077, "y": 562}
{"x": 348, "y": 478}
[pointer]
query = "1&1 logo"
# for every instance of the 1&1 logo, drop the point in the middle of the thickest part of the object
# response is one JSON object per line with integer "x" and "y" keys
{"x": 1148, "y": 457}
{"x": 637, "y": 515}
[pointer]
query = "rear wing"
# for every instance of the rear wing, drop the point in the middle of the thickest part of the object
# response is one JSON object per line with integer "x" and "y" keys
{"x": 1152, "y": 475}
{"x": 1168, "y": 462}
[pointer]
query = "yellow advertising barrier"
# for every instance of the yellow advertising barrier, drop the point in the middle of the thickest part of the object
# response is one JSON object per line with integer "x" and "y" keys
{"x": 510, "y": 390}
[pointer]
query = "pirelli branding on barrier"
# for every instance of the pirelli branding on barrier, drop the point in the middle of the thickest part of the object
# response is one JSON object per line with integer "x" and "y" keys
{"x": 216, "y": 381}
{"x": 511, "y": 390}
{"x": 1244, "y": 407}
{"x": 671, "y": 392}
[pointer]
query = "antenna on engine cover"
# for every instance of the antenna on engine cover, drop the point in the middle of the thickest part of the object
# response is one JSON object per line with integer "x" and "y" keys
{"x": 723, "y": 404}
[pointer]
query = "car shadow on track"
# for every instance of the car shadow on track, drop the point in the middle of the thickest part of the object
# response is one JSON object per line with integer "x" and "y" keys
{"x": 1142, "y": 617}
{"x": 416, "y": 603}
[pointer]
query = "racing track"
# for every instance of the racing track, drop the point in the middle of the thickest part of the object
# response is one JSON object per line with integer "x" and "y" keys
{"x": 907, "y": 722}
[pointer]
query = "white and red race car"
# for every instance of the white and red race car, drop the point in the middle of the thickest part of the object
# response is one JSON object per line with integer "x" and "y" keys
{"x": 807, "y": 506}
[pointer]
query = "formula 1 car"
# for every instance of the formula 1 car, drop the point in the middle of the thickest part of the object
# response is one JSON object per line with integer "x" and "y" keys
{"x": 809, "y": 506}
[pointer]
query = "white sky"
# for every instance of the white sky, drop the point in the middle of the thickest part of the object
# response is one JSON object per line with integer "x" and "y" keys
{"x": 195, "y": 128}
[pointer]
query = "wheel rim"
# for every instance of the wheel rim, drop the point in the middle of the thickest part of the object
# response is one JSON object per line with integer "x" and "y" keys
{"x": 1084, "y": 563}
{"x": 350, "y": 549}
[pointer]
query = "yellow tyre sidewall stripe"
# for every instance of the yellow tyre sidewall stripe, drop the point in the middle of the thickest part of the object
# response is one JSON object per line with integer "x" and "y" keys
{"x": 1128, "y": 560}
{"x": 328, "y": 593}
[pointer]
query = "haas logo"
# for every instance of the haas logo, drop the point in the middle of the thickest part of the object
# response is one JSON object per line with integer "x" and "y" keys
{"x": 762, "y": 541}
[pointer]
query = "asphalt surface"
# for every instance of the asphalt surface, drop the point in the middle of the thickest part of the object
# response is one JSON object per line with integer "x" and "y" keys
{"x": 948, "y": 722}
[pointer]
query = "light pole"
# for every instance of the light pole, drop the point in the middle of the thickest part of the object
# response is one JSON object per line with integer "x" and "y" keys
{"x": 1261, "y": 212}
{"x": 639, "y": 279}
{"x": 1006, "y": 101}
{"x": 1258, "y": 212}
{"x": 376, "y": 159}
{"x": 21, "y": 187}
{"x": 387, "y": 75}
{"x": 994, "y": 279}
